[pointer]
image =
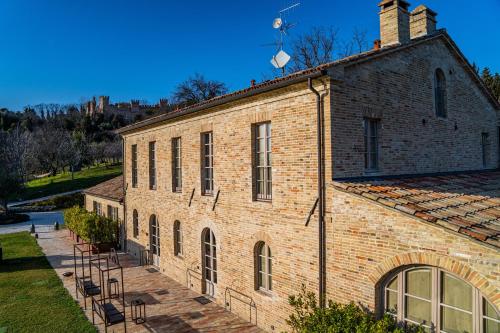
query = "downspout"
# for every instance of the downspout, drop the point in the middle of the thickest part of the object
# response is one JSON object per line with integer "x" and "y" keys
{"x": 124, "y": 222}
{"x": 321, "y": 196}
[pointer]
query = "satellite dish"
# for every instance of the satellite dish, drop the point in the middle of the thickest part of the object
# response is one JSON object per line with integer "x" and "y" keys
{"x": 280, "y": 59}
{"x": 277, "y": 23}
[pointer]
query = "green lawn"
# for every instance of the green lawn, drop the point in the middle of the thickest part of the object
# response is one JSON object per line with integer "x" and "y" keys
{"x": 32, "y": 297}
{"x": 63, "y": 183}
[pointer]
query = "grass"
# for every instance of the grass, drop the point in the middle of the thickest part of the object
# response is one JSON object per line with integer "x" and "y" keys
{"x": 62, "y": 182}
{"x": 33, "y": 298}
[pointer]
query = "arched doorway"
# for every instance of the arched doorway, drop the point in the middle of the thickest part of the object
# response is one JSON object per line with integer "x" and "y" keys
{"x": 209, "y": 260}
{"x": 154, "y": 240}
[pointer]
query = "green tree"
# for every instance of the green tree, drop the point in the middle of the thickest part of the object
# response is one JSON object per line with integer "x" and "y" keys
{"x": 492, "y": 81}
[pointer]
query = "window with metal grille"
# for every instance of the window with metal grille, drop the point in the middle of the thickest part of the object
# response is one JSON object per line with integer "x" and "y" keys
{"x": 262, "y": 162}
{"x": 207, "y": 168}
{"x": 152, "y": 165}
{"x": 440, "y": 93}
{"x": 135, "y": 223}
{"x": 176, "y": 165}
{"x": 264, "y": 265}
{"x": 177, "y": 238}
{"x": 371, "y": 144}
{"x": 134, "y": 165}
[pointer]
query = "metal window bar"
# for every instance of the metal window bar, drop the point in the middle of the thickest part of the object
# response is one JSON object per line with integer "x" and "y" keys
{"x": 263, "y": 160}
{"x": 207, "y": 168}
{"x": 134, "y": 165}
{"x": 152, "y": 165}
{"x": 176, "y": 167}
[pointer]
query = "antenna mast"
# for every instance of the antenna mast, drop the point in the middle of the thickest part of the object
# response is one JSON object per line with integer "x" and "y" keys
{"x": 282, "y": 58}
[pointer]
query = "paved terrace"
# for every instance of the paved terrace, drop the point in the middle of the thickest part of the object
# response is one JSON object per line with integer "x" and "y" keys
{"x": 170, "y": 306}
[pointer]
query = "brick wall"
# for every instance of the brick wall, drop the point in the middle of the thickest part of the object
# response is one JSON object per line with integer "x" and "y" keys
{"x": 238, "y": 222}
{"x": 366, "y": 241}
{"x": 399, "y": 89}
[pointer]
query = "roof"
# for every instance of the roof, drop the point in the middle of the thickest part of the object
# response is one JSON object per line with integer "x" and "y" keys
{"x": 111, "y": 189}
{"x": 306, "y": 74}
{"x": 466, "y": 203}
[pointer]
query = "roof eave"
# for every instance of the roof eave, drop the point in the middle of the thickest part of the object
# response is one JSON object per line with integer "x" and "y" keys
{"x": 221, "y": 101}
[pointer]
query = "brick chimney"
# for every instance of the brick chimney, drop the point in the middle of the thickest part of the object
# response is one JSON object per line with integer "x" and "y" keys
{"x": 394, "y": 22}
{"x": 422, "y": 22}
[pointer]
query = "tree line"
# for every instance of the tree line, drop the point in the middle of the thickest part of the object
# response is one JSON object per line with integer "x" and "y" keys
{"x": 50, "y": 138}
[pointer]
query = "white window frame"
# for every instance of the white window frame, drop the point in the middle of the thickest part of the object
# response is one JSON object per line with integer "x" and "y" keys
{"x": 264, "y": 278}
{"x": 266, "y": 194}
{"x": 178, "y": 239}
{"x": 477, "y": 299}
{"x": 207, "y": 167}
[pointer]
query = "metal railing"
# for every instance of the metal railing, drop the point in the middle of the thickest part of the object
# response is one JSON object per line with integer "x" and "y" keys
{"x": 230, "y": 294}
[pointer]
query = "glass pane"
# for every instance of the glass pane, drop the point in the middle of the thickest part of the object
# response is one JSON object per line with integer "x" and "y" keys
{"x": 455, "y": 321}
{"x": 262, "y": 131}
{"x": 260, "y": 278}
{"x": 391, "y": 298}
{"x": 214, "y": 263}
{"x": 491, "y": 326}
{"x": 393, "y": 285}
{"x": 456, "y": 292}
{"x": 418, "y": 310}
{"x": 207, "y": 236}
{"x": 489, "y": 310}
{"x": 262, "y": 263}
{"x": 215, "y": 277}
{"x": 270, "y": 286}
{"x": 418, "y": 283}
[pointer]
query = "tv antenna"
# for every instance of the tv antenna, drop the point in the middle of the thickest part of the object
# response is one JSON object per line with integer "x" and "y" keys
{"x": 281, "y": 58}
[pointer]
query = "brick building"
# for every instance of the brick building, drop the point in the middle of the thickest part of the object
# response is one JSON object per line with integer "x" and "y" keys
{"x": 390, "y": 198}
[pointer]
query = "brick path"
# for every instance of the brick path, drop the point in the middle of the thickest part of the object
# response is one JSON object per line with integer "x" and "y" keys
{"x": 170, "y": 306}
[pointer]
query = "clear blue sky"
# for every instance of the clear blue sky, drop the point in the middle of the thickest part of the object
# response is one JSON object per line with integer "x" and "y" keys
{"x": 65, "y": 50}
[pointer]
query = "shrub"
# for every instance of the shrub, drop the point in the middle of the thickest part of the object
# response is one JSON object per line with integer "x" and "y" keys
{"x": 65, "y": 201}
{"x": 308, "y": 317}
{"x": 90, "y": 226}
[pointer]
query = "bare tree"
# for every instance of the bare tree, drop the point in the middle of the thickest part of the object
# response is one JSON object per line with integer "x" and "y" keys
{"x": 313, "y": 48}
{"x": 196, "y": 89}
{"x": 10, "y": 168}
{"x": 321, "y": 45}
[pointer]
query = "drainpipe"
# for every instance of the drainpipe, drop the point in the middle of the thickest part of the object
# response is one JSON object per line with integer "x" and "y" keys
{"x": 321, "y": 196}
{"x": 124, "y": 222}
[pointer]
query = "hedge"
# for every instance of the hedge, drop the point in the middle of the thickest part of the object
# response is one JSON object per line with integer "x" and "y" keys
{"x": 90, "y": 226}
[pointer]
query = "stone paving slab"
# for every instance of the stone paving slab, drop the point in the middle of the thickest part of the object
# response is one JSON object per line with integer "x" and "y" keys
{"x": 170, "y": 306}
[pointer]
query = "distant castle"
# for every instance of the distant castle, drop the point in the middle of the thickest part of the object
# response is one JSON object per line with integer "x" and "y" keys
{"x": 131, "y": 111}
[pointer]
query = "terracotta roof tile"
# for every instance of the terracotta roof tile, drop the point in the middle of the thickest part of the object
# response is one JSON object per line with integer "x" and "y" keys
{"x": 111, "y": 189}
{"x": 467, "y": 203}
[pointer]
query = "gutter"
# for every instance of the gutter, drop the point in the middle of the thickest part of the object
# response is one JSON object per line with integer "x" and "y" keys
{"x": 216, "y": 102}
{"x": 321, "y": 196}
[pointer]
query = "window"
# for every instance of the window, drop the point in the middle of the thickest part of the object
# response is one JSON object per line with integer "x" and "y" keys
{"x": 439, "y": 301}
{"x": 440, "y": 93}
{"x": 135, "y": 223}
{"x": 176, "y": 165}
{"x": 264, "y": 267}
{"x": 371, "y": 143}
{"x": 484, "y": 148}
{"x": 207, "y": 168}
{"x": 152, "y": 165}
{"x": 263, "y": 162}
{"x": 177, "y": 239}
{"x": 134, "y": 165}
{"x": 113, "y": 213}
{"x": 97, "y": 208}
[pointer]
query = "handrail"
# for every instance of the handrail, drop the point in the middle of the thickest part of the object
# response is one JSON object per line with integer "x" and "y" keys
{"x": 250, "y": 302}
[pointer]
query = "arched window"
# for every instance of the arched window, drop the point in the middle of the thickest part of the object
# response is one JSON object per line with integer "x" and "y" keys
{"x": 440, "y": 93}
{"x": 438, "y": 300}
{"x": 264, "y": 265}
{"x": 135, "y": 222}
{"x": 177, "y": 238}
